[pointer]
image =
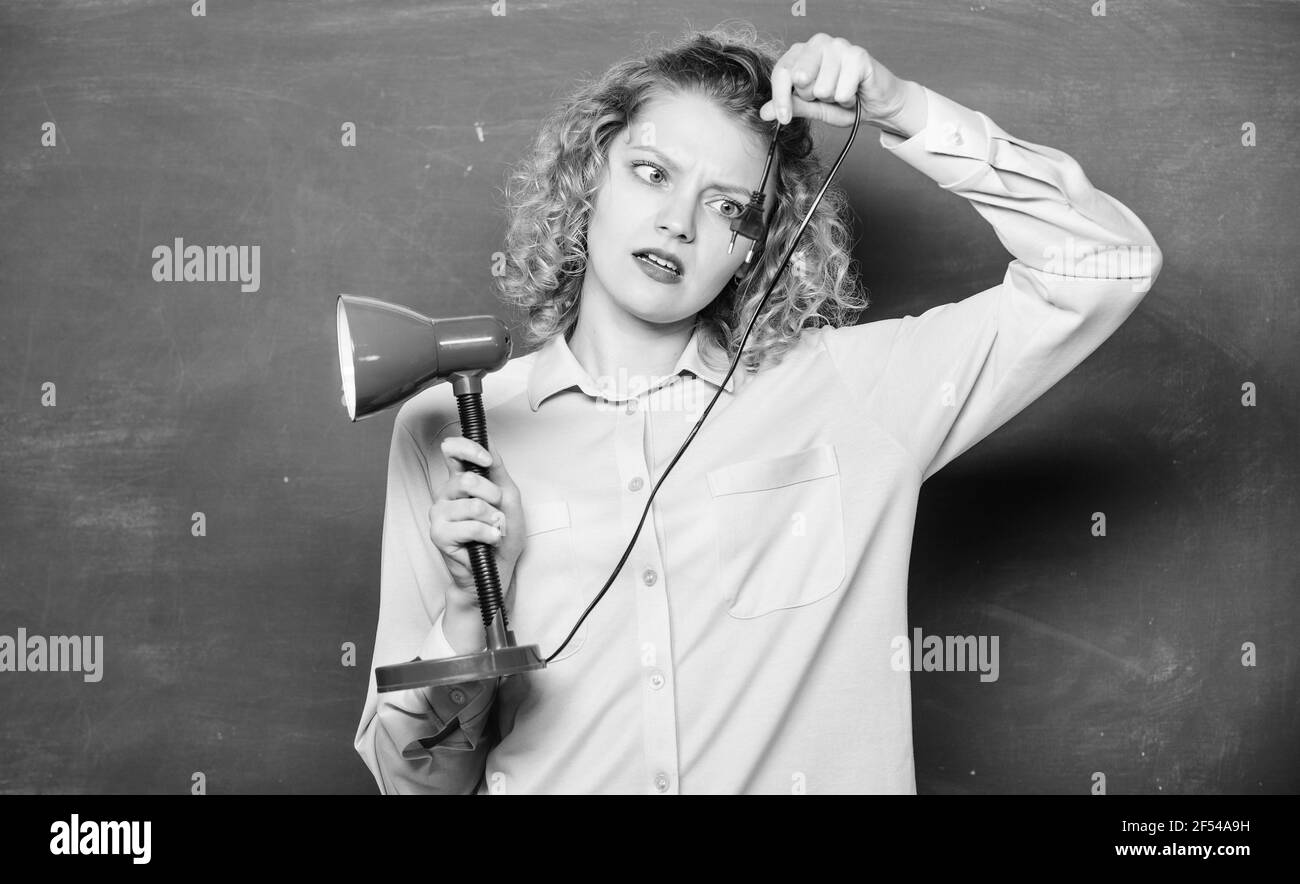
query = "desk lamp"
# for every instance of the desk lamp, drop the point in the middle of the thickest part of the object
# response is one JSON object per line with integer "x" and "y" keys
{"x": 388, "y": 353}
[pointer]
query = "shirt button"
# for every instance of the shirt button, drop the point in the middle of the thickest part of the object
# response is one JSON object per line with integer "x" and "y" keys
{"x": 457, "y": 696}
{"x": 656, "y": 679}
{"x": 661, "y": 782}
{"x": 649, "y": 577}
{"x": 631, "y": 407}
{"x": 635, "y": 484}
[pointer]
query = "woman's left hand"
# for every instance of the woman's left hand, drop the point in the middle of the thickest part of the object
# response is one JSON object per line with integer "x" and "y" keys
{"x": 821, "y": 80}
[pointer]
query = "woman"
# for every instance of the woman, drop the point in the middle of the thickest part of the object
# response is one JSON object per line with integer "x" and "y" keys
{"x": 747, "y": 644}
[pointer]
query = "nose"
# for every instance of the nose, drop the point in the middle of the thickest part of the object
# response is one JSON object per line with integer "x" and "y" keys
{"x": 677, "y": 219}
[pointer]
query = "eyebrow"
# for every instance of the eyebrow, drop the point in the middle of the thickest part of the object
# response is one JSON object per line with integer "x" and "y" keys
{"x": 735, "y": 189}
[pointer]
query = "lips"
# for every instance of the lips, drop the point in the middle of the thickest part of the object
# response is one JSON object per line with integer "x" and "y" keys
{"x": 674, "y": 263}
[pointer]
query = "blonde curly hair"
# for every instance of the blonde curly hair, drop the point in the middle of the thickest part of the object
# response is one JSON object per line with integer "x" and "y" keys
{"x": 550, "y": 195}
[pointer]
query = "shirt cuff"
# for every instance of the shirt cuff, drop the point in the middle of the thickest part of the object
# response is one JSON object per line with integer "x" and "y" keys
{"x": 954, "y": 147}
{"x": 435, "y": 645}
{"x": 469, "y": 701}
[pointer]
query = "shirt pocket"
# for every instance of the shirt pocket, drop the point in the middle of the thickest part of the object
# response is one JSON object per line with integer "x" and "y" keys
{"x": 548, "y": 598}
{"x": 778, "y": 527}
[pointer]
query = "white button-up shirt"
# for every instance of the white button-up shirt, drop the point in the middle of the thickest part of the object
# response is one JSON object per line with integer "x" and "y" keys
{"x": 748, "y": 645}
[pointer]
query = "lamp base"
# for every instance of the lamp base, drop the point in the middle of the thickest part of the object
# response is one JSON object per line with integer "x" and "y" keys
{"x": 490, "y": 663}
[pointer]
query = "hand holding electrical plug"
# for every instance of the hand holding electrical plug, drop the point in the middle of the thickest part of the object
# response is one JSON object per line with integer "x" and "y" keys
{"x": 824, "y": 77}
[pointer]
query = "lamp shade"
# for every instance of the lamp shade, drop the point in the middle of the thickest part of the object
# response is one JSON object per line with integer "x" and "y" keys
{"x": 388, "y": 352}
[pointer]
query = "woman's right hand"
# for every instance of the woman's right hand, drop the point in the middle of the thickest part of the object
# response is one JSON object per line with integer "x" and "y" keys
{"x": 469, "y": 507}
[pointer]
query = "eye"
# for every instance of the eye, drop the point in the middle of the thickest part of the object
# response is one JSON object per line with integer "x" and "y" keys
{"x": 735, "y": 207}
{"x": 637, "y": 164}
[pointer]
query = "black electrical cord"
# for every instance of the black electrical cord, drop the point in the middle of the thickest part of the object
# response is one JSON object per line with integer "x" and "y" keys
{"x": 743, "y": 223}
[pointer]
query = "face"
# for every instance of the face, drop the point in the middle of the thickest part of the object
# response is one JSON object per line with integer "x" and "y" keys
{"x": 675, "y": 179}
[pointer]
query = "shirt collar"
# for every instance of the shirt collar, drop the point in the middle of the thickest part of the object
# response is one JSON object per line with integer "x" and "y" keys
{"x": 556, "y": 369}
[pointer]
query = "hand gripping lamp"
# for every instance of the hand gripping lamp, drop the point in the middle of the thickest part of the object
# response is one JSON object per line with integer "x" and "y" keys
{"x": 387, "y": 353}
